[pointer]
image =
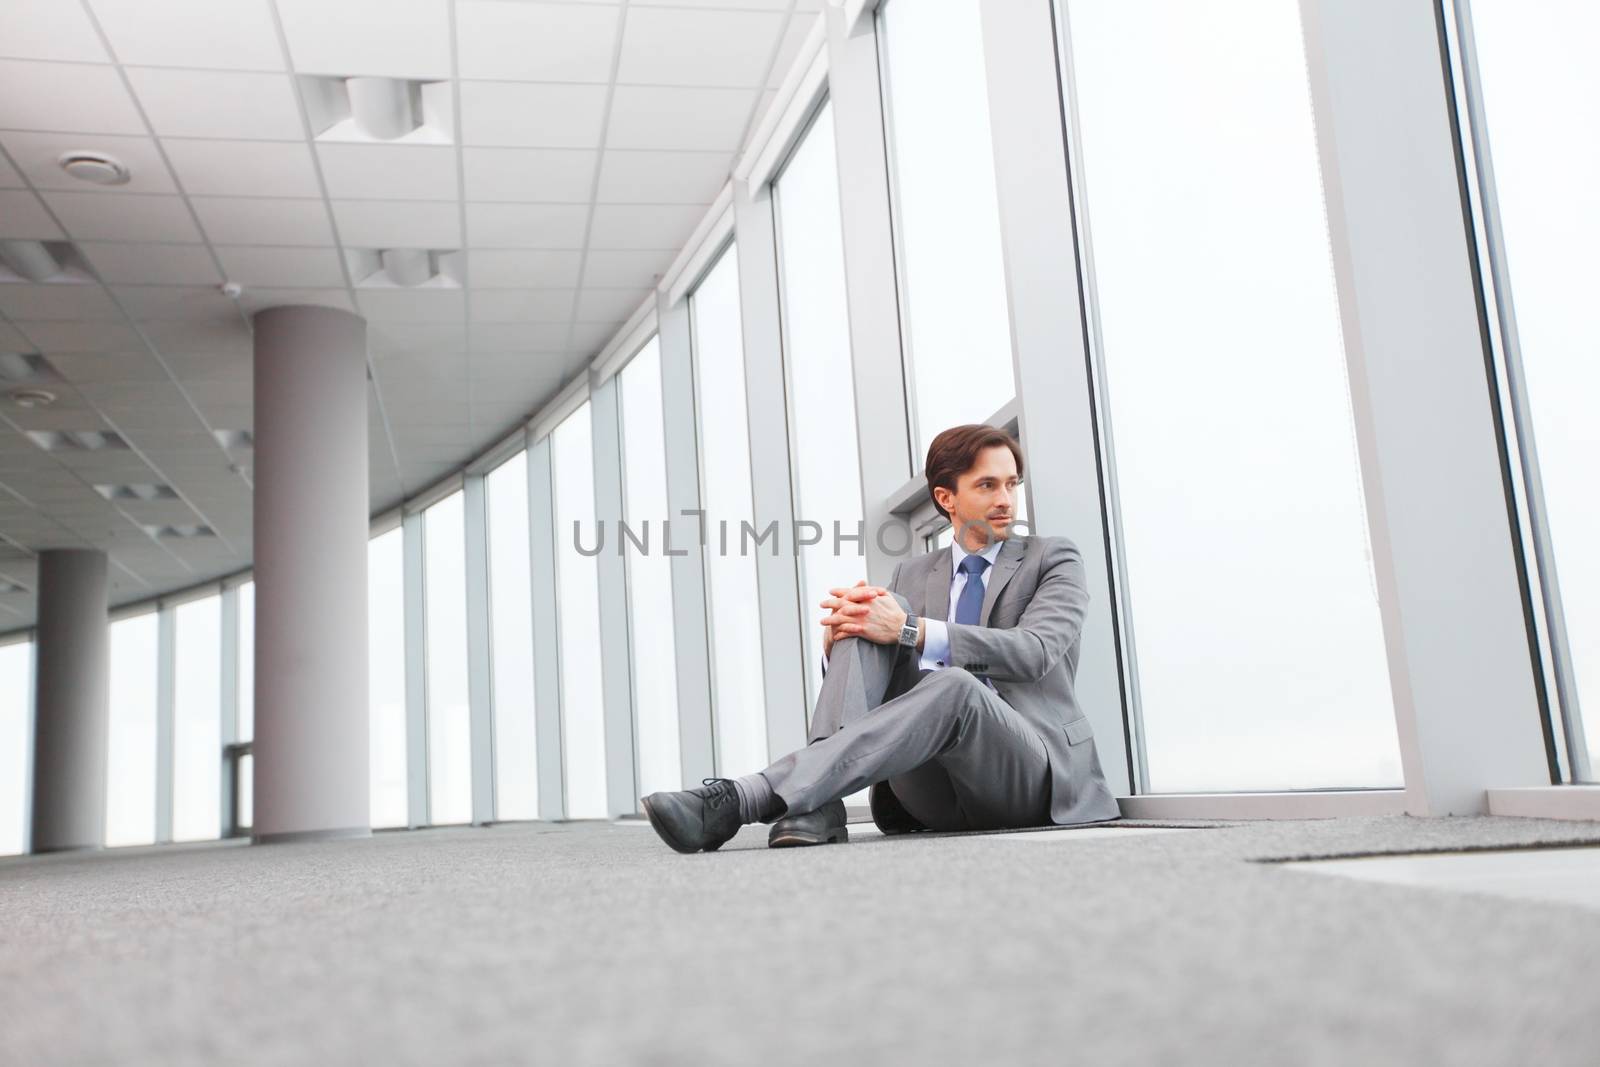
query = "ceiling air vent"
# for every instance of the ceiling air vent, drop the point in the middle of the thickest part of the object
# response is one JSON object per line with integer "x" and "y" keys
{"x": 235, "y": 440}
{"x": 379, "y": 110}
{"x": 77, "y": 440}
{"x": 25, "y": 368}
{"x": 144, "y": 492}
{"x": 179, "y": 532}
{"x": 404, "y": 268}
{"x": 42, "y": 263}
{"x": 96, "y": 168}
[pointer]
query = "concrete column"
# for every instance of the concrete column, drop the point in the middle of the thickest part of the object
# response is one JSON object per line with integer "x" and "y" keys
{"x": 72, "y": 656}
{"x": 311, "y": 504}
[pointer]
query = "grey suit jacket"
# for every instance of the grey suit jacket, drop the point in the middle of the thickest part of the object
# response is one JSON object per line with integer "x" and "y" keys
{"x": 1026, "y": 644}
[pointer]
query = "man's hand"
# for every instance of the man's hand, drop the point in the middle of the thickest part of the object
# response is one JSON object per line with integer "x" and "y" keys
{"x": 877, "y": 618}
{"x": 845, "y": 604}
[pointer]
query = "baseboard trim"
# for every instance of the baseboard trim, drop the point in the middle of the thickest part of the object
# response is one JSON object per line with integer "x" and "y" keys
{"x": 311, "y": 835}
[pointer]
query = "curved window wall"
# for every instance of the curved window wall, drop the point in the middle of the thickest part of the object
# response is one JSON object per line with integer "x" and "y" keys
{"x": 583, "y": 738}
{"x": 1257, "y": 643}
{"x": 386, "y": 678}
{"x": 956, "y": 326}
{"x": 131, "y": 747}
{"x": 1538, "y": 154}
{"x": 516, "y": 780}
{"x": 16, "y": 733}
{"x": 449, "y": 713}
{"x": 739, "y": 699}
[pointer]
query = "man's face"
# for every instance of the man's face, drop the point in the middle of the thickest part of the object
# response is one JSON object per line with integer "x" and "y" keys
{"x": 986, "y": 493}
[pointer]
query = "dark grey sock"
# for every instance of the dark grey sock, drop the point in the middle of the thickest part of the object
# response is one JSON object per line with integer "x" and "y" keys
{"x": 757, "y": 801}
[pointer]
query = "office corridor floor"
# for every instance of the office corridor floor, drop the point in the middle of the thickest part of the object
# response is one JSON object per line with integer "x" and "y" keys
{"x": 594, "y": 944}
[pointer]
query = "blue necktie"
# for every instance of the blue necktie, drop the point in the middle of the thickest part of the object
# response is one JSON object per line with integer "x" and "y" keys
{"x": 970, "y": 607}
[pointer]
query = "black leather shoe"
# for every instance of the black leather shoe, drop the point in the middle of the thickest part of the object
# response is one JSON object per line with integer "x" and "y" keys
{"x": 825, "y": 826}
{"x": 889, "y": 814}
{"x": 696, "y": 820}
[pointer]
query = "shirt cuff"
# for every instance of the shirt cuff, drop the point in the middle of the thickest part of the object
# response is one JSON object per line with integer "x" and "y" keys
{"x": 935, "y": 645}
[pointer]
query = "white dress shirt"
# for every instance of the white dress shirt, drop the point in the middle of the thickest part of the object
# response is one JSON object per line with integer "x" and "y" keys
{"x": 936, "y": 632}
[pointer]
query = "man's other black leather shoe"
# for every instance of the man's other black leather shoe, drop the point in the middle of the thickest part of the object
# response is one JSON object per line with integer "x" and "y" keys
{"x": 696, "y": 820}
{"x": 889, "y": 814}
{"x": 825, "y": 826}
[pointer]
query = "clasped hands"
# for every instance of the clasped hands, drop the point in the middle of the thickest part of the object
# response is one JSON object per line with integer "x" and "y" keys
{"x": 861, "y": 610}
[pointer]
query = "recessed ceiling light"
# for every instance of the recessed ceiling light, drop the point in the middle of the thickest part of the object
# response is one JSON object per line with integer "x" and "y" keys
{"x": 96, "y": 168}
{"x": 33, "y": 398}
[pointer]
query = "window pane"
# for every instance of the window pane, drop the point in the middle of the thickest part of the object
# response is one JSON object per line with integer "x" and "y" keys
{"x": 817, "y": 354}
{"x": 131, "y": 748}
{"x": 655, "y": 668}
{"x": 737, "y": 680}
{"x": 1540, "y": 92}
{"x": 386, "y": 677}
{"x": 1254, "y": 612}
{"x": 449, "y": 722}
{"x": 516, "y": 780}
{"x": 956, "y": 322}
{"x": 197, "y": 721}
{"x": 16, "y": 744}
{"x": 247, "y": 661}
{"x": 578, "y": 599}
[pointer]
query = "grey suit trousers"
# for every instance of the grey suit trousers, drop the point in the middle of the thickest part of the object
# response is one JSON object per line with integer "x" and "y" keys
{"x": 956, "y": 756}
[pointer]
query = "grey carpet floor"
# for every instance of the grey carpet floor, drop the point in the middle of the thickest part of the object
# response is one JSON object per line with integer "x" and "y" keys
{"x": 593, "y": 944}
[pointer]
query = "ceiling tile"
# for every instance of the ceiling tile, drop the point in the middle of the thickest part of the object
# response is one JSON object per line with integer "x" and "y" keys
{"x": 152, "y": 264}
{"x": 213, "y": 339}
{"x": 609, "y": 305}
{"x": 65, "y": 96}
{"x": 526, "y": 225}
{"x": 22, "y": 216}
{"x": 409, "y": 39}
{"x": 519, "y": 337}
{"x": 643, "y": 226}
{"x": 53, "y": 337}
{"x": 56, "y": 302}
{"x": 123, "y": 217}
{"x": 379, "y": 172}
{"x": 413, "y": 305}
{"x": 523, "y": 269}
{"x": 536, "y": 175}
{"x": 229, "y": 104}
{"x": 237, "y": 35}
{"x": 49, "y": 29}
{"x": 662, "y": 177}
{"x": 648, "y": 117}
{"x": 625, "y": 270}
{"x": 589, "y": 338}
{"x": 531, "y": 116}
{"x": 11, "y": 339}
{"x": 39, "y": 155}
{"x": 248, "y": 221}
{"x": 318, "y": 267}
{"x": 174, "y": 302}
{"x": 436, "y": 340}
{"x": 535, "y": 42}
{"x": 697, "y": 47}
{"x": 522, "y": 305}
{"x": 243, "y": 168}
{"x": 9, "y": 178}
{"x": 397, "y": 224}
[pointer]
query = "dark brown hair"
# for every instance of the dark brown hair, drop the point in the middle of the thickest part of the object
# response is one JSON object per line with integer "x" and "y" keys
{"x": 954, "y": 452}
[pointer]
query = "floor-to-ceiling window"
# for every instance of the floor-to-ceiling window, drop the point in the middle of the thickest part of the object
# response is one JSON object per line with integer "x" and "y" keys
{"x": 816, "y": 328}
{"x": 131, "y": 745}
{"x": 1538, "y": 150}
{"x": 386, "y": 677}
{"x": 956, "y": 326}
{"x": 449, "y": 719}
{"x": 583, "y": 738}
{"x": 1258, "y": 648}
{"x": 197, "y": 720}
{"x": 655, "y": 672}
{"x": 739, "y": 702}
{"x": 516, "y": 781}
{"x": 247, "y": 661}
{"x": 16, "y": 743}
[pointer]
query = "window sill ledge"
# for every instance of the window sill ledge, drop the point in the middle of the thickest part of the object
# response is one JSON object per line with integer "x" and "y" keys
{"x": 1227, "y": 806}
{"x": 1547, "y": 802}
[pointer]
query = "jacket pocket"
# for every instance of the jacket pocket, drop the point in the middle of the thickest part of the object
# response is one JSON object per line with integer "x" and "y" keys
{"x": 1078, "y": 731}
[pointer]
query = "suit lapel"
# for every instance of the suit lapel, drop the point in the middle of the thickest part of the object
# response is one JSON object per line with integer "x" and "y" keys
{"x": 936, "y": 594}
{"x": 1005, "y": 565}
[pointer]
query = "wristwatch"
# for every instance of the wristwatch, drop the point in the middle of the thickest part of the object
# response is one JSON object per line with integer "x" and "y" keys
{"x": 908, "y": 632}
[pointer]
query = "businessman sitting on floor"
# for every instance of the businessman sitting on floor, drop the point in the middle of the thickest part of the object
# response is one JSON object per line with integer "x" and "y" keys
{"x": 950, "y": 692}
